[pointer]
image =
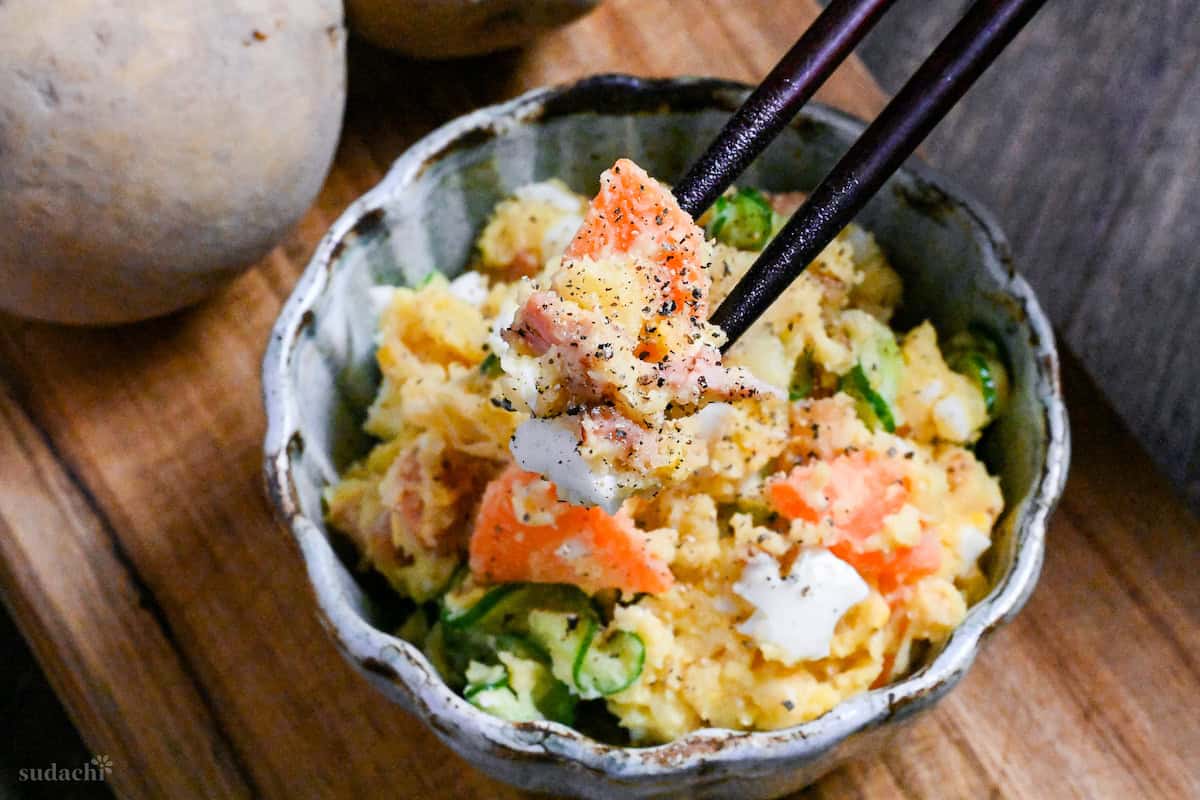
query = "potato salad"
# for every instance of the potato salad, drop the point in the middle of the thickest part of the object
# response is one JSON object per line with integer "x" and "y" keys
{"x": 596, "y": 517}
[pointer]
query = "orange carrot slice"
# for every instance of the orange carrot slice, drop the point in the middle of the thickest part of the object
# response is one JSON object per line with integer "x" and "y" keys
{"x": 581, "y": 546}
{"x": 858, "y": 491}
{"x": 891, "y": 570}
{"x": 636, "y": 215}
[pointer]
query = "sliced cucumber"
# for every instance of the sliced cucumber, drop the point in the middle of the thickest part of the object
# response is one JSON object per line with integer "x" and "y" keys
{"x": 593, "y": 665}
{"x": 977, "y": 356}
{"x": 502, "y": 702}
{"x": 451, "y": 651}
{"x": 872, "y": 408}
{"x": 980, "y": 370}
{"x": 481, "y": 677}
{"x": 458, "y": 611}
{"x": 552, "y": 631}
{"x": 609, "y": 665}
{"x": 490, "y": 366}
{"x": 554, "y": 698}
{"x": 802, "y": 378}
{"x": 488, "y": 689}
{"x": 534, "y": 674}
{"x": 875, "y": 379}
{"x": 743, "y": 220}
{"x": 521, "y": 647}
{"x": 519, "y": 690}
{"x": 564, "y": 635}
{"x": 882, "y": 363}
{"x": 505, "y": 608}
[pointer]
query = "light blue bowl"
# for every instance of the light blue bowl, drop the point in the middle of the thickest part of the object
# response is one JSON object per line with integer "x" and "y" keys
{"x": 319, "y": 376}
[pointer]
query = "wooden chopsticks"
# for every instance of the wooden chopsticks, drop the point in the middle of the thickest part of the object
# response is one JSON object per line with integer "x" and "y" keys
{"x": 972, "y": 45}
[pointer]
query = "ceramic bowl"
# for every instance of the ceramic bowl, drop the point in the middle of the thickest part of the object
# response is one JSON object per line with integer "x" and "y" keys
{"x": 320, "y": 376}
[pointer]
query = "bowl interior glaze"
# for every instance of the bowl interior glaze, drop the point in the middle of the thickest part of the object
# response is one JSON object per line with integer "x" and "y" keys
{"x": 320, "y": 376}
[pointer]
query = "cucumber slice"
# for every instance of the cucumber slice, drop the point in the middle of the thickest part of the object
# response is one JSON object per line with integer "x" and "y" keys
{"x": 480, "y": 665}
{"x": 458, "y": 611}
{"x": 881, "y": 363}
{"x": 610, "y": 665}
{"x": 554, "y": 698}
{"x": 595, "y": 667}
{"x": 743, "y": 220}
{"x": 482, "y": 677}
{"x": 545, "y": 628}
{"x": 503, "y": 702}
{"x": 872, "y": 408}
{"x": 519, "y": 690}
{"x": 551, "y": 696}
{"x": 521, "y": 647}
{"x": 489, "y": 688}
{"x": 490, "y": 366}
{"x": 802, "y": 378}
{"x": 503, "y": 608}
{"x": 875, "y": 379}
{"x": 977, "y": 356}
{"x": 977, "y": 367}
{"x": 451, "y": 650}
{"x": 563, "y": 634}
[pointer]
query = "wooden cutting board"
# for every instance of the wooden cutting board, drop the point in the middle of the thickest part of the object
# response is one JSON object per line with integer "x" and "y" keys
{"x": 139, "y": 556}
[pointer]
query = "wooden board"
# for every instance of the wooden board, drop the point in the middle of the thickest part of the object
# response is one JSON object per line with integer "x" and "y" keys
{"x": 138, "y": 554}
{"x": 1083, "y": 140}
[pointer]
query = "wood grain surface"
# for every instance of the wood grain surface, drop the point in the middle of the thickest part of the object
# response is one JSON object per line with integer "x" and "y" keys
{"x": 139, "y": 557}
{"x": 1083, "y": 139}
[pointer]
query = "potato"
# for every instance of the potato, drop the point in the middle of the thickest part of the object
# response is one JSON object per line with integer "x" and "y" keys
{"x": 151, "y": 151}
{"x": 455, "y": 28}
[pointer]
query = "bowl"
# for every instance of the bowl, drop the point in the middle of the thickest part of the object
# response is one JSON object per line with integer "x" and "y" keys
{"x": 319, "y": 376}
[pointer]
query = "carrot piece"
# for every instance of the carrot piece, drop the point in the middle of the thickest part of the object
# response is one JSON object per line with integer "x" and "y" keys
{"x": 856, "y": 492}
{"x": 891, "y": 570}
{"x": 636, "y": 215}
{"x": 859, "y": 490}
{"x": 581, "y": 546}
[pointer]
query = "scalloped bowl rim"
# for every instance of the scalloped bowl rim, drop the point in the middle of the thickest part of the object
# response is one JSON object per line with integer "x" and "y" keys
{"x": 430, "y": 698}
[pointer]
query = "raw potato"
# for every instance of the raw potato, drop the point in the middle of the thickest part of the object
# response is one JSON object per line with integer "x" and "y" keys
{"x": 151, "y": 151}
{"x": 455, "y": 28}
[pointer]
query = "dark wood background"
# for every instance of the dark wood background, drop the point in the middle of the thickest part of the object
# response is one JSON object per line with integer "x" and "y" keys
{"x": 1084, "y": 139}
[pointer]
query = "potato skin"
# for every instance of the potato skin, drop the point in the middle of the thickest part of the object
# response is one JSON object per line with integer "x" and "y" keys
{"x": 149, "y": 152}
{"x": 456, "y": 28}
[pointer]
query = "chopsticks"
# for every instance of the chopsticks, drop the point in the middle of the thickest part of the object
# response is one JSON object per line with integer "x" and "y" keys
{"x": 970, "y": 47}
{"x": 791, "y": 84}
